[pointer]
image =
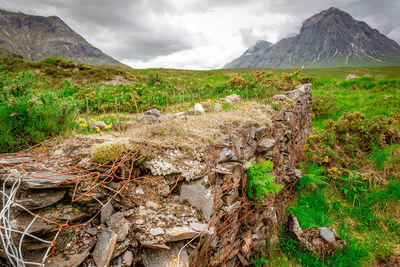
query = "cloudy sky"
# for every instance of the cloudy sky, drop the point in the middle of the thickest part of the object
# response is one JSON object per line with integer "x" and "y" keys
{"x": 196, "y": 34}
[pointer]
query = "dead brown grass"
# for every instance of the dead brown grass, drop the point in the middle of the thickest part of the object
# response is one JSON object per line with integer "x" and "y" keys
{"x": 186, "y": 133}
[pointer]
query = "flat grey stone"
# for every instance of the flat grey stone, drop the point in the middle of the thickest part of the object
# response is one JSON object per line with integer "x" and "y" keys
{"x": 22, "y": 220}
{"x": 73, "y": 261}
{"x": 139, "y": 191}
{"x": 33, "y": 200}
{"x": 266, "y": 144}
{"x": 199, "y": 197}
{"x": 167, "y": 117}
{"x": 151, "y": 205}
{"x": 180, "y": 233}
{"x": 13, "y": 160}
{"x": 41, "y": 180}
{"x": 156, "y": 231}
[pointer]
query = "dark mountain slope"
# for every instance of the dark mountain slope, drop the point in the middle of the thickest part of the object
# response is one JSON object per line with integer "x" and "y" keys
{"x": 36, "y": 37}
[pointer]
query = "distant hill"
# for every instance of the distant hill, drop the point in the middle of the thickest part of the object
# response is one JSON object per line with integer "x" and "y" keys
{"x": 331, "y": 38}
{"x": 36, "y": 37}
{"x": 243, "y": 59}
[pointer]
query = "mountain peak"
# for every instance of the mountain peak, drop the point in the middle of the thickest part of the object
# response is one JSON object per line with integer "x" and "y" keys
{"x": 329, "y": 16}
{"x": 329, "y": 38}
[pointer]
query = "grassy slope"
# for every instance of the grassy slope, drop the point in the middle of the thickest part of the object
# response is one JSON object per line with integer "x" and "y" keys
{"x": 370, "y": 223}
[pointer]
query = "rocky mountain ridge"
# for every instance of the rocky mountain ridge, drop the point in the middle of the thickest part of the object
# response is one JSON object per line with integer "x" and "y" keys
{"x": 37, "y": 37}
{"x": 331, "y": 38}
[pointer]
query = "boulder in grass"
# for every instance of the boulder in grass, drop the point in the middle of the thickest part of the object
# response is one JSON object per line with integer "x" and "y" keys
{"x": 351, "y": 77}
{"x": 207, "y": 106}
{"x": 198, "y": 109}
{"x": 153, "y": 112}
{"x": 323, "y": 241}
{"x": 98, "y": 124}
{"x": 233, "y": 99}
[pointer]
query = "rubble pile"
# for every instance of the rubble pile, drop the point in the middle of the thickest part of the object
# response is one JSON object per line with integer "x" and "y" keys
{"x": 159, "y": 205}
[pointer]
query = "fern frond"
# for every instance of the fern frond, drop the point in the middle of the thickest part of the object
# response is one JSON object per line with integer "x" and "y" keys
{"x": 313, "y": 176}
{"x": 262, "y": 181}
{"x": 381, "y": 158}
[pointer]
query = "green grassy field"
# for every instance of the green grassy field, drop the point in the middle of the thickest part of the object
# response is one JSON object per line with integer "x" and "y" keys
{"x": 351, "y": 162}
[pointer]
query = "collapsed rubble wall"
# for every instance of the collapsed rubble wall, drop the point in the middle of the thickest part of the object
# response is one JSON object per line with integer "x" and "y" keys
{"x": 161, "y": 203}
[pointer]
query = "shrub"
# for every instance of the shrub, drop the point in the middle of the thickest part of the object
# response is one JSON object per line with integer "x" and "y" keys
{"x": 154, "y": 78}
{"x": 381, "y": 157}
{"x": 27, "y": 119}
{"x": 323, "y": 104}
{"x": 237, "y": 82}
{"x": 286, "y": 82}
{"x": 349, "y": 142}
{"x": 261, "y": 181}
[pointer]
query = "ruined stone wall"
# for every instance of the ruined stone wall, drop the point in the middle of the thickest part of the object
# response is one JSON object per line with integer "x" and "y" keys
{"x": 173, "y": 208}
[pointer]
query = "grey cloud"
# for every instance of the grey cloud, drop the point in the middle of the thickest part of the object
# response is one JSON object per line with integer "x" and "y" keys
{"x": 380, "y": 14}
{"x": 249, "y": 38}
{"x": 137, "y": 29}
{"x": 142, "y": 30}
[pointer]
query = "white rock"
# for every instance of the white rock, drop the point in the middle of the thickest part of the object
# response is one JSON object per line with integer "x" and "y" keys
{"x": 139, "y": 191}
{"x": 160, "y": 167}
{"x": 351, "y": 77}
{"x": 198, "y": 109}
{"x": 151, "y": 205}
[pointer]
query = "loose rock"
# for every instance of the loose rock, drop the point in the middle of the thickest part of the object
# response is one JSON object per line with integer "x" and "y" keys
{"x": 199, "y": 197}
{"x": 233, "y": 98}
{"x": 226, "y": 155}
{"x": 119, "y": 225}
{"x": 124, "y": 125}
{"x": 266, "y": 144}
{"x": 127, "y": 259}
{"x": 153, "y": 112}
{"x": 166, "y": 258}
{"x": 315, "y": 240}
{"x": 104, "y": 248}
{"x": 351, "y": 77}
{"x": 106, "y": 212}
{"x": 156, "y": 231}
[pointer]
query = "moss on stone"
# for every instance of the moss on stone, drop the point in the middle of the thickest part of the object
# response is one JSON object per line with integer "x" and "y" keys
{"x": 110, "y": 151}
